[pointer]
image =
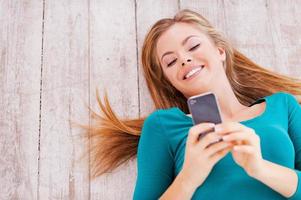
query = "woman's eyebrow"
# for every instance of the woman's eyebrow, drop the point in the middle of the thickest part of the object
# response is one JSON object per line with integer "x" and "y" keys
{"x": 183, "y": 42}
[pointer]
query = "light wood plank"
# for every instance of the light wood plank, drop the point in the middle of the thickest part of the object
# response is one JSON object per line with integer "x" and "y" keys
{"x": 213, "y": 10}
{"x": 65, "y": 91}
{"x": 20, "y": 61}
{"x": 285, "y": 23}
{"x": 114, "y": 67}
{"x": 251, "y": 32}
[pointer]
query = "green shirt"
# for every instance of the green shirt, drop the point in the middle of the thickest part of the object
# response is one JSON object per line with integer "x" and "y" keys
{"x": 162, "y": 144}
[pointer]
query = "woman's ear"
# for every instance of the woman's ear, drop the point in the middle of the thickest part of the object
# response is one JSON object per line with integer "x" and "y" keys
{"x": 222, "y": 53}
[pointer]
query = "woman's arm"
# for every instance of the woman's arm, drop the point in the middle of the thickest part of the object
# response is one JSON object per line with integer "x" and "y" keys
{"x": 281, "y": 179}
{"x": 284, "y": 180}
{"x": 179, "y": 189}
{"x": 200, "y": 157}
{"x": 155, "y": 163}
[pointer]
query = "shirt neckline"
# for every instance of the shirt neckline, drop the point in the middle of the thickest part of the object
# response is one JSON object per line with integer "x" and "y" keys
{"x": 244, "y": 121}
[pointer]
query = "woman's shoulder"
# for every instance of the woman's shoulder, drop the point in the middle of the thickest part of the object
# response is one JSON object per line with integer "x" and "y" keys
{"x": 160, "y": 123}
{"x": 164, "y": 117}
{"x": 284, "y": 96}
{"x": 284, "y": 100}
{"x": 163, "y": 113}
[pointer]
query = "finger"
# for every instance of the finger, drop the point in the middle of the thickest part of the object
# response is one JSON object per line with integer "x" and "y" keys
{"x": 203, "y": 134}
{"x": 244, "y": 149}
{"x": 236, "y": 136}
{"x": 209, "y": 139}
{"x": 219, "y": 155}
{"x": 241, "y": 136}
{"x": 195, "y": 131}
{"x": 225, "y": 128}
{"x": 216, "y": 147}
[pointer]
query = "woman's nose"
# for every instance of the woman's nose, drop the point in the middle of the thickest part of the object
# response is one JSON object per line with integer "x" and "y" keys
{"x": 188, "y": 60}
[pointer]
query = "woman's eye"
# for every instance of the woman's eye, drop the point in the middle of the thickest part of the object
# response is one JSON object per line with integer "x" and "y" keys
{"x": 172, "y": 62}
{"x": 193, "y": 48}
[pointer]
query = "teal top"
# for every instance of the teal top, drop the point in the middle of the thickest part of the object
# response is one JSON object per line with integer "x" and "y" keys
{"x": 161, "y": 151}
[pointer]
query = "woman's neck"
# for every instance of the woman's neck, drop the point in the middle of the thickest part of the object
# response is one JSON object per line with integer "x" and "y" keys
{"x": 228, "y": 102}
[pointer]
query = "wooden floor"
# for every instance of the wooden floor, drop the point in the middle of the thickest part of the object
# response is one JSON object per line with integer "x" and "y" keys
{"x": 53, "y": 55}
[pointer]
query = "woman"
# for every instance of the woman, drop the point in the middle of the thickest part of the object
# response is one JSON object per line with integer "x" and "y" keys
{"x": 259, "y": 156}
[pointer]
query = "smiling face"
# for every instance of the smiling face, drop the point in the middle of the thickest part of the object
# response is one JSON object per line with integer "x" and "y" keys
{"x": 185, "y": 50}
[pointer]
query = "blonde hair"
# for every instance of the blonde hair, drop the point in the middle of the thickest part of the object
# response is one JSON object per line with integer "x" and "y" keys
{"x": 115, "y": 140}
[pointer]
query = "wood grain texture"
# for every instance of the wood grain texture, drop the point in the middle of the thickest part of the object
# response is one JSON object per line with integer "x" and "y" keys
{"x": 257, "y": 40}
{"x": 114, "y": 68}
{"x": 65, "y": 89}
{"x": 51, "y": 65}
{"x": 20, "y": 60}
{"x": 285, "y": 25}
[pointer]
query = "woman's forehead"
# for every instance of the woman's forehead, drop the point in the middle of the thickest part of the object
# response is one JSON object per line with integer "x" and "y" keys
{"x": 176, "y": 34}
{"x": 180, "y": 31}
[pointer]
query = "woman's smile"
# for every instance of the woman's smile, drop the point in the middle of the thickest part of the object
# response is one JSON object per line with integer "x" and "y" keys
{"x": 193, "y": 73}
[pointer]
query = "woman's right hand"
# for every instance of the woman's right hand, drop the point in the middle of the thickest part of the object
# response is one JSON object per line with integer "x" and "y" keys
{"x": 202, "y": 154}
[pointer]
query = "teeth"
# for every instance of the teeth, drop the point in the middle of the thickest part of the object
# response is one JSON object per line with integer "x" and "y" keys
{"x": 193, "y": 72}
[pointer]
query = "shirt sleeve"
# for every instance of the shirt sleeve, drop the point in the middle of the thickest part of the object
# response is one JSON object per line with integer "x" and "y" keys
{"x": 294, "y": 130}
{"x": 155, "y": 163}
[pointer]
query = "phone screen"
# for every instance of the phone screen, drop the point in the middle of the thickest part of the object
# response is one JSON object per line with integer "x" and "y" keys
{"x": 204, "y": 108}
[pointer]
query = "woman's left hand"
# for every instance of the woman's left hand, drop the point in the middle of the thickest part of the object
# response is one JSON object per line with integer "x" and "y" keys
{"x": 246, "y": 151}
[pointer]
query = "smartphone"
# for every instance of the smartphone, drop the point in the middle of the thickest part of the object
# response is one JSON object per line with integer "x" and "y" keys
{"x": 204, "y": 108}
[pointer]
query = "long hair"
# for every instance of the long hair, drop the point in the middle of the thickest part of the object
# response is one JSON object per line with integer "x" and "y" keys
{"x": 115, "y": 140}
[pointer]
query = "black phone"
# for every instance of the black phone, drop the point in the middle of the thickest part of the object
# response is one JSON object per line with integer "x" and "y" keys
{"x": 204, "y": 108}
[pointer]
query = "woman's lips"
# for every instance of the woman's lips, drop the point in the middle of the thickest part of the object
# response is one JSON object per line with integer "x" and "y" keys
{"x": 194, "y": 75}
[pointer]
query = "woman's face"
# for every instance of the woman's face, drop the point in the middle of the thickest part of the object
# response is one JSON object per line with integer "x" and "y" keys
{"x": 183, "y": 48}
